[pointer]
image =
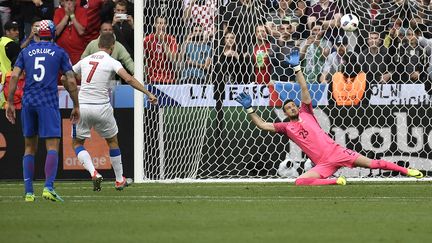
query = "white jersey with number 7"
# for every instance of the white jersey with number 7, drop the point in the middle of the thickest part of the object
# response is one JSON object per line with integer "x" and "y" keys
{"x": 97, "y": 73}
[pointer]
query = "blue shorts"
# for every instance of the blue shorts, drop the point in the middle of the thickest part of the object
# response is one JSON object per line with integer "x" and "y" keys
{"x": 42, "y": 121}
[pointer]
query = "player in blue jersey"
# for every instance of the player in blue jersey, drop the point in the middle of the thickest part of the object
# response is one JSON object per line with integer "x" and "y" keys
{"x": 40, "y": 115}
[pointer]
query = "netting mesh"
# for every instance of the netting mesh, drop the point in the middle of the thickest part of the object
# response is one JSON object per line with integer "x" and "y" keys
{"x": 370, "y": 87}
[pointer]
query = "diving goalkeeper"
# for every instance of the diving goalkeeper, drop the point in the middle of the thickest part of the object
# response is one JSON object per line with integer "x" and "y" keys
{"x": 304, "y": 130}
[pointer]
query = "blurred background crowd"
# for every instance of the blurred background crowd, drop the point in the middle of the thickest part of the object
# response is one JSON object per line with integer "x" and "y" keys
{"x": 239, "y": 41}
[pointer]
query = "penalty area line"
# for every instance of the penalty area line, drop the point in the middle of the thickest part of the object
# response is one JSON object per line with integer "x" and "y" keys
{"x": 155, "y": 198}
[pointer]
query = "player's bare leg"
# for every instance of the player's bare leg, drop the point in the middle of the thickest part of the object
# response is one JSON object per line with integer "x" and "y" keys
{"x": 86, "y": 161}
{"x": 365, "y": 162}
{"x": 313, "y": 178}
{"x": 116, "y": 162}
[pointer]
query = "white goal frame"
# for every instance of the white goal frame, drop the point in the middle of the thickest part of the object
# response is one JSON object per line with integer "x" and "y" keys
{"x": 139, "y": 122}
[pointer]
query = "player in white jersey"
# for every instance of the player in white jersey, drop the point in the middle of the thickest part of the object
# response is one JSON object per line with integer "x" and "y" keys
{"x": 97, "y": 72}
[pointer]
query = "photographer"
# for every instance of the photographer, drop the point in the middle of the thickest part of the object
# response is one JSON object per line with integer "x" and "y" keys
{"x": 123, "y": 26}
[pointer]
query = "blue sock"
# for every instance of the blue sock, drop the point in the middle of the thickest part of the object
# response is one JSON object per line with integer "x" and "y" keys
{"x": 114, "y": 152}
{"x": 51, "y": 164}
{"x": 28, "y": 171}
{"x": 79, "y": 149}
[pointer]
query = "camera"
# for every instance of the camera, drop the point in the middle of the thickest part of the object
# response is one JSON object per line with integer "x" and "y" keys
{"x": 121, "y": 16}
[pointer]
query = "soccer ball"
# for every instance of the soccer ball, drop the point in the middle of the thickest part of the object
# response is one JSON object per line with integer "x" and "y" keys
{"x": 349, "y": 22}
{"x": 288, "y": 169}
{"x": 308, "y": 165}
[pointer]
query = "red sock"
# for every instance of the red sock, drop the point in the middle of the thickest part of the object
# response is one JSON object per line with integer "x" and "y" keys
{"x": 386, "y": 165}
{"x": 314, "y": 182}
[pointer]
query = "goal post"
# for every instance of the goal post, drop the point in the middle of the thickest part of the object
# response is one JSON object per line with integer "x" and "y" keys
{"x": 138, "y": 96}
{"x": 375, "y": 97}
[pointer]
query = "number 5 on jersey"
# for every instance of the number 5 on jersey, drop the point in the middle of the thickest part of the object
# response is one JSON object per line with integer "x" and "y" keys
{"x": 38, "y": 65}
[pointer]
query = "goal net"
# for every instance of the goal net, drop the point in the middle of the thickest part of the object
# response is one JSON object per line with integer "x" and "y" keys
{"x": 370, "y": 87}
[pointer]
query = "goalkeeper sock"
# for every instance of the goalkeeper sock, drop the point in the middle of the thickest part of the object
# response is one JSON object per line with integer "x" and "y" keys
{"x": 85, "y": 159}
{"x": 28, "y": 172}
{"x": 51, "y": 164}
{"x": 386, "y": 165}
{"x": 116, "y": 162}
{"x": 314, "y": 182}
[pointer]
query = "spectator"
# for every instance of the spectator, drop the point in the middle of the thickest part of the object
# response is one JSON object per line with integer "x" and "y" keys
{"x": 93, "y": 18}
{"x": 373, "y": 15}
{"x": 123, "y": 26}
{"x": 334, "y": 60}
{"x": 349, "y": 85}
{"x": 71, "y": 23}
{"x": 226, "y": 71}
{"x": 327, "y": 14}
{"x": 301, "y": 28}
{"x": 411, "y": 61}
{"x": 160, "y": 50}
{"x": 19, "y": 89}
{"x": 313, "y": 53}
{"x": 278, "y": 52}
{"x": 119, "y": 53}
{"x": 288, "y": 11}
{"x": 393, "y": 32}
{"x": 375, "y": 60}
{"x": 421, "y": 20}
{"x": 242, "y": 21}
{"x": 272, "y": 5}
{"x": 34, "y": 36}
{"x": 44, "y": 9}
{"x": 285, "y": 12}
{"x": 230, "y": 60}
{"x": 196, "y": 54}
{"x": 107, "y": 10}
{"x": 427, "y": 45}
{"x": 200, "y": 12}
{"x": 261, "y": 57}
{"x": 27, "y": 10}
{"x": 9, "y": 48}
{"x": 5, "y": 13}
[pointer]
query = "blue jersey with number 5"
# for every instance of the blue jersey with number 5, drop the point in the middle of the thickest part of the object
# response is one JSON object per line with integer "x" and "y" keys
{"x": 42, "y": 63}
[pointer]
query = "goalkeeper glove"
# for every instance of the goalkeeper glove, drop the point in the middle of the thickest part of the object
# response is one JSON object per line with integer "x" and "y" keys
{"x": 246, "y": 101}
{"x": 293, "y": 59}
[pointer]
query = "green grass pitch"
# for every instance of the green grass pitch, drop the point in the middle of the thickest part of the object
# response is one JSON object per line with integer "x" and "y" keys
{"x": 232, "y": 212}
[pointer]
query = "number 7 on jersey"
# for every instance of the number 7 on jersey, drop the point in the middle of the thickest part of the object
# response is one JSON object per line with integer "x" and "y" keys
{"x": 92, "y": 71}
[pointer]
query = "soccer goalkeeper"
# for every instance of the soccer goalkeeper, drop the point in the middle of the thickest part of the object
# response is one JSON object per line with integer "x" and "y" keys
{"x": 304, "y": 130}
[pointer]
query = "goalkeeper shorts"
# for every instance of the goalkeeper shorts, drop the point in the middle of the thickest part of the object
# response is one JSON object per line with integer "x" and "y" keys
{"x": 341, "y": 157}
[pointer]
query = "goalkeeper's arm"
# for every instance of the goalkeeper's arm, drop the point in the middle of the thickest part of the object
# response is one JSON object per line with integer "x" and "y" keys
{"x": 260, "y": 123}
{"x": 305, "y": 95}
{"x": 294, "y": 61}
{"x": 246, "y": 101}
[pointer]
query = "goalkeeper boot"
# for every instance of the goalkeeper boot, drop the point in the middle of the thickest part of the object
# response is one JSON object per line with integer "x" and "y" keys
{"x": 97, "y": 181}
{"x": 29, "y": 197}
{"x": 50, "y": 194}
{"x": 121, "y": 185}
{"x": 415, "y": 173}
{"x": 341, "y": 180}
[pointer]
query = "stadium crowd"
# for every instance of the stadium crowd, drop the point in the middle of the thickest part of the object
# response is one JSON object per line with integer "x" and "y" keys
{"x": 188, "y": 42}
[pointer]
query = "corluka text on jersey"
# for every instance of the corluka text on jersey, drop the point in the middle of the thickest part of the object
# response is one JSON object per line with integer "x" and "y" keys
{"x": 41, "y": 51}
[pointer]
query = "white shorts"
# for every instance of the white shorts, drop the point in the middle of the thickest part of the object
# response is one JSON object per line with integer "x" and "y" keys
{"x": 99, "y": 117}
